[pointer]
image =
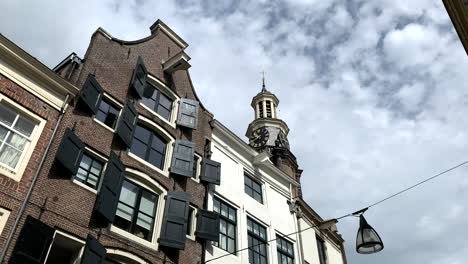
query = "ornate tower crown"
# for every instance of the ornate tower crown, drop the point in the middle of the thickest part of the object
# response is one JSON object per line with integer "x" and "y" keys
{"x": 266, "y": 129}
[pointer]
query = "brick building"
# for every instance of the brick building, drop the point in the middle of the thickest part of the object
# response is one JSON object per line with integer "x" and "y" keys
{"x": 32, "y": 102}
{"x": 128, "y": 169}
{"x": 458, "y": 12}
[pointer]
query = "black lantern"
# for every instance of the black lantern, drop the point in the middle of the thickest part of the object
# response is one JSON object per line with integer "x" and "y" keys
{"x": 367, "y": 241}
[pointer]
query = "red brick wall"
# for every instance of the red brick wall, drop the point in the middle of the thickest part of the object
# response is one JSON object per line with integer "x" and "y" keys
{"x": 57, "y": 201}
{"x": 12, "y": 193}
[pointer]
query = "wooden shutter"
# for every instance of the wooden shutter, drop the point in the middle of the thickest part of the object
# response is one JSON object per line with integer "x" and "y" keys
{"x": 174, "y": 225}
{"x": 33, "y": 242}
{"x": 211, "y": 171}
{"x": 91, "y": 93}
{"x": 94, "y": 252}
{"x": 108, "y": 197}
{"x": 183, "y": 158}
{"x": 207, "y": 225}
{"x": 70, "y": 151}
{"x": 139, "y": 78}
{"x": 188, "y": 113}
{"x": 127, "y": 123}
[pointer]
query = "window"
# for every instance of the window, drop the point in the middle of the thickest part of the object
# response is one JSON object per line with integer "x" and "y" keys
{"x": 268, "y": 109}
{"x": 191, "y": 222}
{"x": 158, "y": 102}
{"x": 107, "y": 113}
{"x": 321, "y": 250}
{"x": 90, "y": 171}
{"x": 285, "y": 251}
{"x": 136, "y": 210}
{"x": 149, "y": 146}
{"x": 253, "y": 188}
{"x": 64, "y": 249}
{"x": 227, "y": 225}
{"x": 4, "y": 214}
{"x": 258, "y": 241}
{"x": 15, "y": 134}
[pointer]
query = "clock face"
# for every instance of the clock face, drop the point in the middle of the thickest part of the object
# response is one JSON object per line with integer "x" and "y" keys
{"x": 259, "y": 137}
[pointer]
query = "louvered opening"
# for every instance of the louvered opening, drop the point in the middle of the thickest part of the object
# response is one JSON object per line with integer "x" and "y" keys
{"x": 268, "y": 109}
{"x": 260, "y": 109}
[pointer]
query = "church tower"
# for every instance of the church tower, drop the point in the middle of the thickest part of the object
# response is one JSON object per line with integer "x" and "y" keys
{"x": 269, "y": 133}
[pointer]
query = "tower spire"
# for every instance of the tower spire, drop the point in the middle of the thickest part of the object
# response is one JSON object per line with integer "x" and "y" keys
{"x": 263, "y": 82}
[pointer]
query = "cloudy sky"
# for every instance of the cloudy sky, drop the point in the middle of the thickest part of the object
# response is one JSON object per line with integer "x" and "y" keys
{"x": 375, "y": 94}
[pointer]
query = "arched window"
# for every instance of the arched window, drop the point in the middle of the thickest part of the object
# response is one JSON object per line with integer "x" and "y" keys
{"x": 140, "y": 208}
{"x": 116, "y": 256}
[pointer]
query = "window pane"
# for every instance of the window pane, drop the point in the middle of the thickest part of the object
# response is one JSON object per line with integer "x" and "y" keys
{"x": 222, "y": 227}
{"x": 216, "y": 205}
{"x": 17, "y": 141}
{"x": 81, "y": 174}
{"x": 144, "y": 221}
{"x": 224, "y": 210}
{"x": 96, "y": 168}
{"x": 148, "y": 203}
{"x": 156, "y": 159}
{"x": 110, "y": 120}
{"x": 9, "y": 156}
{"x": 3, "y": 133}
{"x": 165, "y": 101}
{"x": 138, "y": 148}
{"x": 7, "y": 115}
{"x": 222, "y": 241}
{"x": 85, "y": 162}
{"x": 248, "y": 181}
{"x": 128, "y": 193}
{"x": 142, "y": 134}
{"x": 232, "y": 214}
{"x": 104, "y": 106}
{"x": 124, "y": 211}
{"x": 231, "y": 230}
{"x": 231, "y": 245}
{"x": 158, "y": 144}
{"x": 257, "y": 197}
{"x": 164, "y": 112}
{"x": 256, "y": 187}
{"x": 149, "y": 102}
{"x": 93, "y": 180}
{"x": 24, "y": 126}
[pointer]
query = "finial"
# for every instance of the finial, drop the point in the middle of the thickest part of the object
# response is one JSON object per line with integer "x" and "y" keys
{"x": 263, "y": 81}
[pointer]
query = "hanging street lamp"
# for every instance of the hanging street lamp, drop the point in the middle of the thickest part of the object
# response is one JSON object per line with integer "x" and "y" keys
{"x": 367, "y": 240}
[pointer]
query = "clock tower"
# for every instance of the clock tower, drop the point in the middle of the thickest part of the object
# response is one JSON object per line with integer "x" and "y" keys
{"x": 269, "y": 133}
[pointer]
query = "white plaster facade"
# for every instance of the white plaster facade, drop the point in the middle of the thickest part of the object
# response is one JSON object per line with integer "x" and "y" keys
{"x": 237, "y": 159}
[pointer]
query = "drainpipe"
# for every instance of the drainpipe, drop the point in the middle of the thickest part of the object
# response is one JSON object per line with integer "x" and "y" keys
{"x": 33, "y": 182}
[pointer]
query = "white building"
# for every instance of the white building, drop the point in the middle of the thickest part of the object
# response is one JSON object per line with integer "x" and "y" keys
{"x": 259, "y": 198}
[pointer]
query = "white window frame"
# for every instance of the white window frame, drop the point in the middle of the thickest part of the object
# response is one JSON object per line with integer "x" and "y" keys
{"x": 116, "y": 105}
{"x": 68, "y": 236}
{"x": 148, "y": 183}
{"x": 193, "y": 224}
{"x": 4, "y": 214}
{"x": 112, "y": 252}
{"x": 169, "y": 147}
{"x": 160, "y": 86}
{"x": 199, "y": 168}
{"x": 99, "y": 157}
{"x": 17, "y": 173}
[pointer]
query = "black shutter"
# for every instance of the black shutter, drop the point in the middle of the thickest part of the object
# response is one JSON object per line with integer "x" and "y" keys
{"x": 91, "y": 93}
{"x": 174, "y": 225}
{"x": 188, "y": 113}
{"x": 139, "y": 78}
{"x": 183, "y": 158}
{"x": 94, "y": 252}
{"x": 108, "y": 197}
{"x": 70, "y": 151}
{"x": 33, "y": 242}
{"x": 207, "y": 225}
{"x": 127, "y": 123}
{"x": 211, "y": 171}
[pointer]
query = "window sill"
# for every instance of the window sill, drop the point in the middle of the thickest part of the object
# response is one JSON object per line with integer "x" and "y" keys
{"x": 12, "y": 174}
{"x": 84, "y": 186}
{"x": 144, "y": 162}
{"x": 104, "y": 125}
{"x": 170, "y": 123}
{"x": 191, "y": 237}
{"x": 134, "y": 238}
